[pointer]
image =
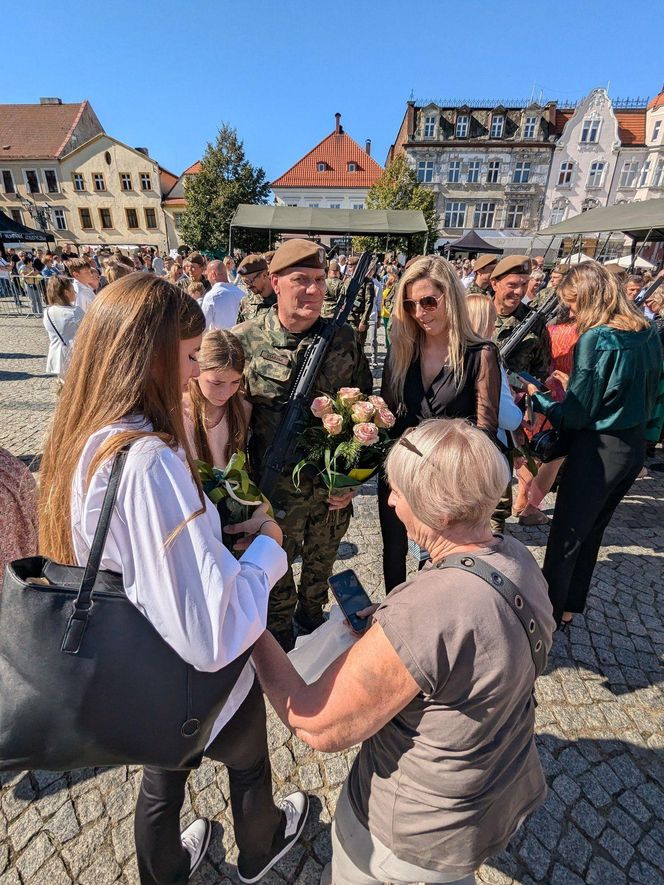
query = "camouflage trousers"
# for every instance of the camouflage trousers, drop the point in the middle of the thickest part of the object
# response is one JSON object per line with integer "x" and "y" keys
{"x": 314, "y": 533}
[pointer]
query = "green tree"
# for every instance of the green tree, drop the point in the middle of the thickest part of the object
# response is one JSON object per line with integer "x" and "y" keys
{"x": 225, "y": 180}
{"x": 398, "y": 188}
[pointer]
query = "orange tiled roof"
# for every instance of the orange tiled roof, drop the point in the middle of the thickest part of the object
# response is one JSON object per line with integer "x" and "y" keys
{"x": 37, "y": 131}
{"x": 561, "y": 118}
{"x": 657, "y": 101}
{"x": 336, "y": 151}
{"x": 193, "y": 169}
{"x": 632, "y": 126}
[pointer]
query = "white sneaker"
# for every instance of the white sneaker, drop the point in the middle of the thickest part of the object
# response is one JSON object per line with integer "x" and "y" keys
{"x": 296, "y": 808}
{"x": 196, "y": 840}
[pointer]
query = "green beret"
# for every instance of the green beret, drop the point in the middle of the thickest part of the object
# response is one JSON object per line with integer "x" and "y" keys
{"x": 252, "y": 264}
{"x": 512, "y": 264}
{"x": 298, "y": 253}
{"x": 482, "y": 262}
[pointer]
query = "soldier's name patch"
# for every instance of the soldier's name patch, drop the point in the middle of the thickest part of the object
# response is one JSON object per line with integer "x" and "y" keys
{"x": 275, "y": 358}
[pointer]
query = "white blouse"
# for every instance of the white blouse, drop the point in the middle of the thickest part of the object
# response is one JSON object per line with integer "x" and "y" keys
{"x": 61, "y": 323}
{"x": 208, "y": 606}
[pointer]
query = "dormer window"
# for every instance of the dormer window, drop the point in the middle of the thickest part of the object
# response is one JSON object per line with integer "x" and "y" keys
{"x": 497, "y": 126}
{"x": 352, "y": 167}
{"x": 321, "y": 167}
{"x": 462, "y": 124}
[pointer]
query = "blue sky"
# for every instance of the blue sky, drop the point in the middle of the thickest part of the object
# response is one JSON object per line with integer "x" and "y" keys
{"x": 166, "y": 73}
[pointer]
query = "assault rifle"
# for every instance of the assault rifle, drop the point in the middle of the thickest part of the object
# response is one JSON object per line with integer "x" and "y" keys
{"x": 644, "y": 296}
{"x": 297, "y": 407}
{"x": 545, "y": 312}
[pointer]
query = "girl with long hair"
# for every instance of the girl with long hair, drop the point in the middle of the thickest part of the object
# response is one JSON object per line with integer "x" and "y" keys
{"x": 610, "y": 394}
{"x": 61, "y": 320}
{"x": 136, "y": 351}
{"x": 216, "y": 413}
{"x": 437, "y": 367}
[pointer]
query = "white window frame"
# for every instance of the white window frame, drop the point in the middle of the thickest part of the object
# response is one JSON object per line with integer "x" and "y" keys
{"x": 455, "y": 211}
{"x": 424, "y": 171}
{"x": 462, "y": 127}
{"x": 13, "y": 181}
{"x": 145, "y": 175}
{"x": 493, "y": 172}
{"x": 645, "y": 172}
{"x": 474, "y": 170}
{"x": 629, "y": 173}
{"x": 177, "y": 220}
{"x": 95, "y": 176}
{"x": 124, "y": 189}
{"x": 656, "y": 129}
{"x": 25, "y": 179}
{"x": 522, "y": 171}
{"x": 358, "y": 205}
{"x": 557, "y": 214}
{"x": 565, "y": 173}
{"x": 335, "y": 205}
{"x": 429, "y": 128}
{"x": 57, "y": 180}
{"x": 590, "y": 130}
{"x": 75, "y": 176}
{"x": 597, "y": 168}
{"x": 60, "y": 219}
{"x": 313, "y": 205}
{"x": 321, "y": 167}
{"x": 658, "y": 174}
{"x": 485, "y": 211}
{"x": 515, "y": 211}
{"x": 352, "y": 167}
{"x": 454, "y": 172}
{"x": 530, "y": 126}
{"x": 497, "y": 126}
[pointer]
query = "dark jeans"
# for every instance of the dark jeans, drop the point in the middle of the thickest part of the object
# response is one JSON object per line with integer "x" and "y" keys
{"x": 599, "y": 470}
{"x": 395, "y": 540}
{"x": 242, "y": 746}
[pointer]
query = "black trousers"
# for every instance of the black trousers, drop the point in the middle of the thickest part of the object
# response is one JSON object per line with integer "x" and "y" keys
{"x": 395, "y": 540}
{"x": 242, "y": 746}
{"x": 599, "y": 470}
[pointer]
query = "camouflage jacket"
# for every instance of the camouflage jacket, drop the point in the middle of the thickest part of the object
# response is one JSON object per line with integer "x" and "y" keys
{"x": 363, "y": 304}
{"x": 533, "y": 354}
{"x": 541, "y": 297}
{"x": 252, "y": 304}
{"x": 273, "y": 356}
{"x": 474, "y": 289}
{"x": 334, "y": 287}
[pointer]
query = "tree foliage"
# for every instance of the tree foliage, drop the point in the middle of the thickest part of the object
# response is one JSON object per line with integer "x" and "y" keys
{"x": 398, "y": 188}
{"x": 225, "y": 180}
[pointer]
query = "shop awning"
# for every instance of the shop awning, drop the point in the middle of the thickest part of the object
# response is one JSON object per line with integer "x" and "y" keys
{"x": 14, "y": 232}
{"x": 641, "y": 221}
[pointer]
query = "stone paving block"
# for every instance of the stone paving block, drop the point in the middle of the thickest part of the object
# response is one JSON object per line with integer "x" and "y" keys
{"x": 652, "y": 851}
{"x": 587, "y": 819}
{"x": 653, "y": 797}
{"x": 566, "y": 788}
{"x": 573, "y": 762}
{"x": 642, "y": 873}
{"x": 309, "y": 776}
{"x": 4, "y": 857}
{"x": 123, "y": 840}
{"x": 593, "y": 790}
{"x": 120, "y": 801}
{"x": 562, "y": 876}
{"x": 24, "y": 828}
{"x": 283, "y": 764}
{"x": 34, "y": 856}
{"x": 210, "y": 802}
{"x": 17, "y": 796}
{"x": 545, "y": 827}
{"x": 619, "y": 849}
{"x": 52, "y": 873}
{"x": 310, "y": 874}
{"x": 535, "y": 856}
{"x": 104, "y": 870}
{"x": 89, "y": 806}
{"x": 64, "y": 825}
{"x": 625, "y": 825}
{"x": 80, "y": 852}
{"x": 575, "y": 849}
{"x": 11, "y": 877}
{"x": 603, "y": 872}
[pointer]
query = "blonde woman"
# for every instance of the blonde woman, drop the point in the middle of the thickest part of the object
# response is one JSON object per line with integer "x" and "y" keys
{"x": 610, "y": 394}
{"x": 437, "y": 367}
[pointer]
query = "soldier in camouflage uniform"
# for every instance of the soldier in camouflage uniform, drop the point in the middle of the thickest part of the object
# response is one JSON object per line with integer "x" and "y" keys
{"x": 360, "y": 312}
{"x": 333, "y": 290}
{"x": 275, "y": 344}
{"x": 554, "y": 281}
{"x": 484, "y": 267}
{"x": 253, "y": 273}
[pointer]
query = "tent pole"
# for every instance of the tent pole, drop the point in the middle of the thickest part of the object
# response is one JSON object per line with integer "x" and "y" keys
{"x": 606, "y": 243}
{"x": 641, "y": 248}
{"x": 632, "y": 252}
{"x": 230, "y": 240}
{"x": 547, "y": 249}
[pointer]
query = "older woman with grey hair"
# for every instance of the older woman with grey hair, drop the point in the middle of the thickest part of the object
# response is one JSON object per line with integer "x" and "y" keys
{"x": 439, "y": 689}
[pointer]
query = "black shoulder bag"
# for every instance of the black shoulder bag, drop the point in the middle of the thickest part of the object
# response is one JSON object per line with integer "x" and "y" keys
{"x": 86, "y": 680}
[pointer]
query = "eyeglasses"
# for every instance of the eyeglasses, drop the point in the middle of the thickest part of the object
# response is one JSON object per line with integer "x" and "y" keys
{"x": 427, "y": 303}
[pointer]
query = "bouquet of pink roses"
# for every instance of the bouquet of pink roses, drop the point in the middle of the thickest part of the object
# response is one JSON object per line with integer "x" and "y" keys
{"x": 347, "y": 439}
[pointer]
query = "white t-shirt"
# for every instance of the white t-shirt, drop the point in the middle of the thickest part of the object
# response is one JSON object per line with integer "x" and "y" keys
{"x": 208, "y": 606}
{"x": 221, "y": 306}
{"x": 84, "y": 295}
{"x": 61, "y": 323}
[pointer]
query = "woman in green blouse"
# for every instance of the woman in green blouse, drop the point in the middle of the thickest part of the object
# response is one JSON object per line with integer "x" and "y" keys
{"x": 610, "y": 395}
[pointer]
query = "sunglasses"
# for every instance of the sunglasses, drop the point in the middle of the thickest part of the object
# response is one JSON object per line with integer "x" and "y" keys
{"x": 427, "y": 303}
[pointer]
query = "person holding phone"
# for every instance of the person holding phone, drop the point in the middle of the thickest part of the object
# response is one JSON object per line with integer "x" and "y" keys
{"x": 448, "y": 766}
{"x": 135, "y": 353}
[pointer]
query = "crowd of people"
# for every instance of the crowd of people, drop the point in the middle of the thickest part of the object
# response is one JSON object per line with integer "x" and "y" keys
{"x": 185, "y": 359}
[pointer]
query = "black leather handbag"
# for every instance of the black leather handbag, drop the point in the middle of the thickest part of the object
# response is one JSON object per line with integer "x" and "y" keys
{"x": 548, "y": 445}
{"x": 86, "y": 680}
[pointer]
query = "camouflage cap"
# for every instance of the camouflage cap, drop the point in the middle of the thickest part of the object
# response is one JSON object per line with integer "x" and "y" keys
{"x": 483, "y": 262}
{"x": 298, "y": 253}
{"x": 252, "y": 264}
{"x": 511, "y": 264}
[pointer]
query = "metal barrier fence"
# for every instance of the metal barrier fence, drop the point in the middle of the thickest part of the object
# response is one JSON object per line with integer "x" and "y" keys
{"x": 22, "y": 297}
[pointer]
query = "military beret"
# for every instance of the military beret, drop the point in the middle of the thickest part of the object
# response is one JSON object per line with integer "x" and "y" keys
{"x": 252, "y": 264}
{"x": 333, "y": 265}
{"x": 196, "y": 258}
{"x": 615, "y": 269}
{"x": 511, "y": 264}
{"x": 268, "y": 256}
{"x": 298, "y": 253}
{"x": 561, "y": 269}
{"x": 484, "y": 261}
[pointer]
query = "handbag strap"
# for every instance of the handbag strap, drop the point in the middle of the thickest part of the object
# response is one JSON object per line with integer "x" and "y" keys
{"x": 512, "y": 596}
{"x": 71, "y": 641}
{"x": 48, "y": 317}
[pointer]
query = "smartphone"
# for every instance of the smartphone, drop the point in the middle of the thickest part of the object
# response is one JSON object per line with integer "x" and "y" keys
{"x": 352, "y": 598}
{"x": 530, "y": 379}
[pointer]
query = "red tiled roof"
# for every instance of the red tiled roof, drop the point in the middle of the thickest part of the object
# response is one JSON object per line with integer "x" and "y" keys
{"x": 37, "y": 131}
{"x": 561, "y": 118}
{"x": 632, "y": 126}
{"x": 174, "y": 201}
{"x": 193, "y": 169}
{"x": 657, "y": 101}
{"x": 336, "y": 151}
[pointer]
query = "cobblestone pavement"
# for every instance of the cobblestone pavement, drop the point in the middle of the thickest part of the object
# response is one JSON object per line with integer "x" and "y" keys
{"x": 599, "y": 721}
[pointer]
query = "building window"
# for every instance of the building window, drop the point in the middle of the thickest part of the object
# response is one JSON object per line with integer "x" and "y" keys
{"x": 132, "y": 219}
{"x": 125, "y": 181}
{"x": 645, "y": 170}
{"x": 352, "y": 167}
{"x": 497, "y": 126}
{"x": 474, "y": 171}
{"x": 629, "y": 173}
{"x": 51, "y": 179}
{"x": 314, "y": 205}
{"x": 565, "y": 174}
{"x": 590, "y": 132}
{"x": 32, "y": 182}
{"x": 98, "y": 179}
{"x": 657, "y": 128}
{"x": 484, "y": 215}
{"x": 335, "y": 205}
{"x": 105, "y": 218}
{"x": 658, "y": 175}
{"x": 60, "y": 220}
{"x": 150, "y": 219}
{"x": 462, "y": 126}
{"x": 86, "y": 219}
{"x": 557, "y": 214}
{"x": 529, "y": 127}
{"x": 358, "y": 205}
{"x": 521, "y": 173}
{"x": 16, "y": 215}
{"x": 8, "y": 181}
{"x": 425, "y": 170}
{"x": 429, "y": 126}
{"x": 596, "y": 174}
{"x": 79, "y": 181}
{"x": 146, "y": 181}
{"x": 321, "y": 167}
{"x": 455, "y": 214}
{"x": 493, "y": 172}
{"x": 177, "y": 219}
{"x": 589, "y": 203}
{"x": 515, "y": 215}
{"x": 454, "y": 172}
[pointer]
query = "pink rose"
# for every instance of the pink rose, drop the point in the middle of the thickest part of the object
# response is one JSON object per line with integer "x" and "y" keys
{"x": 349, "y": 395}
{"x": 333, "y": 423}
{"x": 378, "y": 402}
{"x": 362, "y": 412}
{"x": 384, "y": 418}
{"x": 366, "y": 434}
{"x": 322, "y": 405}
